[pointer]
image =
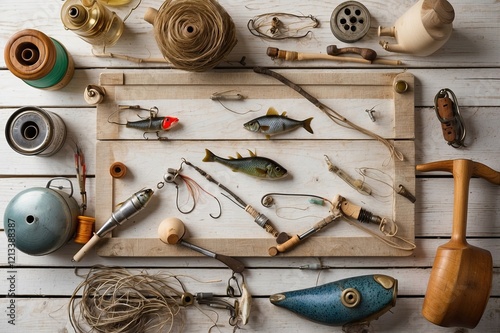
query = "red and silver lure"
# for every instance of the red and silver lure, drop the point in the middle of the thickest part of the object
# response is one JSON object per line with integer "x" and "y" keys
{"x": 150, "y": 124}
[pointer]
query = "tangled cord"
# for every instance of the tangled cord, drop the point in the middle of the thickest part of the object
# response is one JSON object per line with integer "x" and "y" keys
{"x": 114, "y": 300}
{"x": 194, "y": 35}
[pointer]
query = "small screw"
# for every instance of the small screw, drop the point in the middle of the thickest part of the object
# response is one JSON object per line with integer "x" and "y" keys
{"x": 370, "y": 114}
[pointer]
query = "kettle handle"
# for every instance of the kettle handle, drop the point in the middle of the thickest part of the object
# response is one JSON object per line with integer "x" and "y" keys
{"x": 61, "y": 187}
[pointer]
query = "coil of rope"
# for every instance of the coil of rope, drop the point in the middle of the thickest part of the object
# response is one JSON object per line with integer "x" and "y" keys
{"x": 193, "y": 35}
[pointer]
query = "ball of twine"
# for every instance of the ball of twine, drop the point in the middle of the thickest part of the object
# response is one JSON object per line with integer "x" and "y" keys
{"x": 194, "y": 35}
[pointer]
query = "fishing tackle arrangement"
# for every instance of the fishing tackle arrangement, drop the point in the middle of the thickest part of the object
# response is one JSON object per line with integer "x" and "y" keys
{"x": 342, "y": 303}
{"x": 279, "y": 26}
{"x": 448, "y": 114}
{"x": 274, "y": 123}
{"x": 174, "y": 176}
{"x": 150, "y": 124}
{"x": 256, "y": 166}
{"x": 332, "y": 114}
{"x": 128, "y": 209}
{"x": 260, "y": 219}
{"x": 357, "y": 184}
{"x": 339, "y": 207}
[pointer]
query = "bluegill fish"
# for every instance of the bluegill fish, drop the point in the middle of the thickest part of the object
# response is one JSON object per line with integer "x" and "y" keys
{"x": 273, "y": 123}
{"x": 254, "y": 165}
{"x": 348, "y": 301}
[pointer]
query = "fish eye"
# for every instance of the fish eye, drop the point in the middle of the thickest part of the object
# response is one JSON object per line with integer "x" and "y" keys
{"x": 277, "y": 168}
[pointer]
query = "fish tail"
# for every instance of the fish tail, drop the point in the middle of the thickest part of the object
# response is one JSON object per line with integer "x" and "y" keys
{"x": 209, "y": 156}
{"x": 307, "y": 125}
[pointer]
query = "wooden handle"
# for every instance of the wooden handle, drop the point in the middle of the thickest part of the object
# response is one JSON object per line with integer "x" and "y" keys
{"x": 365, "y": 53}
{"x": 462, "y": 171}
{"x": 86, "y": 248}
{"x": 276, "y": 53}
{"x": 478, "y": 169}
{"x": 288, "y": 245}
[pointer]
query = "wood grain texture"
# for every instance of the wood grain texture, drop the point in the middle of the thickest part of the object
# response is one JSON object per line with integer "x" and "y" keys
{"x": 468, "y": 64}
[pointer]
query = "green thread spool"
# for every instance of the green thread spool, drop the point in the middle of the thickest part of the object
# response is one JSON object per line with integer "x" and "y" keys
{"x": 40, "y": 61}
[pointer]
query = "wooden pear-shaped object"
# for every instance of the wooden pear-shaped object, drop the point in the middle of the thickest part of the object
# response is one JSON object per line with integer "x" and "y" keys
{"x": 460, "y": 281}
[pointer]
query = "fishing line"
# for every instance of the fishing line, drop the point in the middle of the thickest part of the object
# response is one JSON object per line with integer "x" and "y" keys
{"x": 193, "y": 35}
{"x": 115, "y": 300}
{"x": 279, "y": 26}
{"x": 40, "y": 61}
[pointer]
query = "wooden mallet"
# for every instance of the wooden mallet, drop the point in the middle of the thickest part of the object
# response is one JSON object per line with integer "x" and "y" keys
{"x": 460, "y": 281}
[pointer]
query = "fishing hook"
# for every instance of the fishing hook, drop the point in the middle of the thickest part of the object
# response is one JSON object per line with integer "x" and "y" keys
{"x": 230, "y": 288}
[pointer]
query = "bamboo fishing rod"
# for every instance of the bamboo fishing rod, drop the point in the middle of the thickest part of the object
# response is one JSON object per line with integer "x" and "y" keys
{"x": 276, "y": 53}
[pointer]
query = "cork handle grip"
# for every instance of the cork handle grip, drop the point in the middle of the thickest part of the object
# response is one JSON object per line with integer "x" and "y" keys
{"x": 288, "y": 245}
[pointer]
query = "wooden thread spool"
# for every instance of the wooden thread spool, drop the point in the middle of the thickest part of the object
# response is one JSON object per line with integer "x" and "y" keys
{"x": 118, "y": 170}
{"x": 85, "y": 229}
{"x": 40, "y": 61}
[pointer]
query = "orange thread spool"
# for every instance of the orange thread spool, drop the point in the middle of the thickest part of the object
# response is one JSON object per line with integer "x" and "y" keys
{"x": 85, "y": 229}
{"x": 118, "y": 170}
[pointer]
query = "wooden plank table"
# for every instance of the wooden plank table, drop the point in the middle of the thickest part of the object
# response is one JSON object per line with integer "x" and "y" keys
{"x": 468, "y": 64}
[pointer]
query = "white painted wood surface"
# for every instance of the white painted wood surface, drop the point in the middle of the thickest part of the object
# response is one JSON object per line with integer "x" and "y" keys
{"x": 468, "y": 64}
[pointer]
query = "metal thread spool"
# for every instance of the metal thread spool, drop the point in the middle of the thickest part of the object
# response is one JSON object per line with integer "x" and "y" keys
{"x": 92, "y": 21}
{"x": 33, "y": 131}
{"x": 40, "y": 61}
{"x": 350, "y": 21}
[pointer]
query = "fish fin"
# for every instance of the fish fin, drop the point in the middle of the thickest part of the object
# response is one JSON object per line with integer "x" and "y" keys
{"x": 261, "y": 171}
{"x": 284, "y": 114}
{"x": 272, "y": 112}
{"x": 238, "y": 156}
{"x": 209, "y": 156}
{"x": 307, "y": 125}
{"x": 252, "y": 154}
{"x": 264, "y": 128}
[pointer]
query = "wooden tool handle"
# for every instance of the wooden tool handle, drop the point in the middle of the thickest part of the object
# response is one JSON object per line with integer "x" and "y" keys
{"x": 478, "y": 169}
{"x": 462, "y": 171}
{"x": 86, "y": 248}
{"x": 288, "y": 245}
{"x": 365, "y": 53}
{"x": 276, "y": 53}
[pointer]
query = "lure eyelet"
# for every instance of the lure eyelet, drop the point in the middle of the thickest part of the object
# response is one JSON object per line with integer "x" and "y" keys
{"x": 350, "y": 297}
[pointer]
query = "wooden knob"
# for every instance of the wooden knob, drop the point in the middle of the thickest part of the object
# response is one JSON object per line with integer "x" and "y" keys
{"x": 365, "y": 53}
{"x": 171, "y": 230}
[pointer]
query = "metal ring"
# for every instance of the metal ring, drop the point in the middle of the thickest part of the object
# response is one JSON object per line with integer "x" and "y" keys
{"x": 350, "y": 297}
{"x": 350, "y": 21}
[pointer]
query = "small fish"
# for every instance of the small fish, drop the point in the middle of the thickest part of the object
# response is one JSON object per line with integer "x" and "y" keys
{"x": 273, "y": 123}
{"x": 345, "y": 302}
{"x": 254, "y": 165}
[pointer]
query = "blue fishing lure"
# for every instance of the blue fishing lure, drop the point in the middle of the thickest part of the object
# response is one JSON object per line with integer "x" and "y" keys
{"x": 349, "y": 301}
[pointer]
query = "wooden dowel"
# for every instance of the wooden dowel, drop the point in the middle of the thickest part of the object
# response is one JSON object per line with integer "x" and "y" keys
{"x": 276, "y": 53}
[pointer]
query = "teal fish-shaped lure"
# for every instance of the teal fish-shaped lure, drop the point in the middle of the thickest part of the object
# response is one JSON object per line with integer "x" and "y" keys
{"x": 349, "y": 301}
{"x": 261, "y": 167}
{"x": 273, "y": 123}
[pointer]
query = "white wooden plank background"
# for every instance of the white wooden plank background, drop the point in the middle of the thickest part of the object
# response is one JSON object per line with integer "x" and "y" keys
{"x": 468, "y": 64}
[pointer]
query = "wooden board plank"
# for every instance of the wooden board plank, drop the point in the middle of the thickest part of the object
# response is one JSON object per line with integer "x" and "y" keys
{"x": 346, "y": 146}
{"x": 49, "y": 315}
